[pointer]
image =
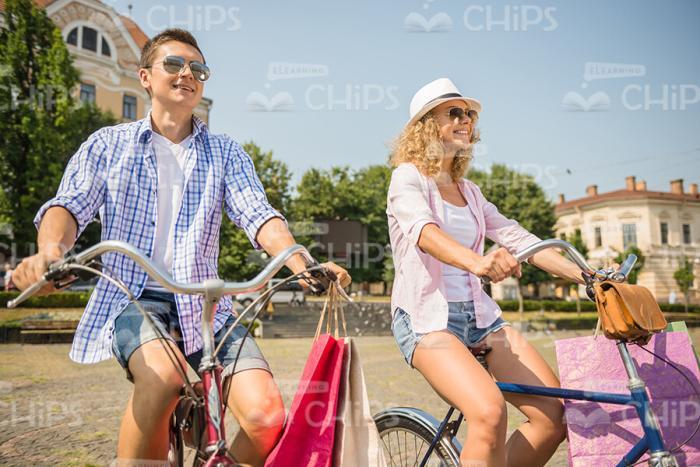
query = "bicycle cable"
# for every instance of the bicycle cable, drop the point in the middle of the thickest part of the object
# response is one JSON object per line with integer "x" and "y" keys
{"x": 172, "y": 356}
{"x": 693, "y": 387}
{"x": 263, "y": 294}
{"x": 260, "y": 302}
{"x": 132, "y": 299}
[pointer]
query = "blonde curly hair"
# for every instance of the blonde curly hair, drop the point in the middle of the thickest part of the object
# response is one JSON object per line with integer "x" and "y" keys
{"x": 421, "y": 145}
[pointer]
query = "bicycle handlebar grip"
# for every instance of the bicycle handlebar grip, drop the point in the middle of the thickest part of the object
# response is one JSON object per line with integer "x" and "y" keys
{"x": 53, "y": 273}
{"x": 624, "y": 271}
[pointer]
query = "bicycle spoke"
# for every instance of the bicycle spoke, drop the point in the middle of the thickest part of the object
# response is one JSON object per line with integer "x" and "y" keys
{"x": 418, "y": 451}
{"x": 405, "y": 448}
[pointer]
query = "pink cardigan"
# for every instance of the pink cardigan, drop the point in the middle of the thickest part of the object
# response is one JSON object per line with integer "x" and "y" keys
{"x": 413, "y": 202}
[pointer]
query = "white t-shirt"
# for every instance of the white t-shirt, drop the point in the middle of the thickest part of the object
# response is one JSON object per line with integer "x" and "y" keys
{"x": 459, "y": 224}
{"x": 170, "y": 162}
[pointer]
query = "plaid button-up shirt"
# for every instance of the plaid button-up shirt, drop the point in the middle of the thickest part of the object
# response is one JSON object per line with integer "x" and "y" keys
{"x": 114, "y": 172}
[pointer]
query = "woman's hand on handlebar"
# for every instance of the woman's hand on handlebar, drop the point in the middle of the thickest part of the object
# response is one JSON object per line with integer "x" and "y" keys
{"x": 32, "y": 270}
{"x": 497, "y": 265}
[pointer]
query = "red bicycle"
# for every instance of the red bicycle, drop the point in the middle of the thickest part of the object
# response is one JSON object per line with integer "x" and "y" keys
{"x": 198, "y": 420}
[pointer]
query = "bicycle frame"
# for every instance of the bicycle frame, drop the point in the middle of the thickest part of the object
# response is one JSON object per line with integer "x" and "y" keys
{"x": 210, "y": 370}
{"x": 638, "y": 398}
{"x": 210, "y": 373}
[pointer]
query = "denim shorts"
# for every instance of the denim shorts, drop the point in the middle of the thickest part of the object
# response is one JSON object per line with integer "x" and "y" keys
{"x": 131, "y": 330}
{"x": 461, "y": 322}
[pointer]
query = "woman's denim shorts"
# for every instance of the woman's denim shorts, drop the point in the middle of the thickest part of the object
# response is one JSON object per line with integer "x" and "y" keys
{"x": 461, "y": 322}
{"x": 131, "y": 331}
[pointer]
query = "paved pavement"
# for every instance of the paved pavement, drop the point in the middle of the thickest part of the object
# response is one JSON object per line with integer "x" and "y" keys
{"x": 56, "y": 412}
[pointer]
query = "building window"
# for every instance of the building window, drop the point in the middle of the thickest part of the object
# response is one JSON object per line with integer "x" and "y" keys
{"x": 629, "y": 235}
{"x": 664, "y": 233}
{"x": 598, "y": 237}
{"x": 562, "y": 235}
{"x": 72, "y": 38}
{"x": 129, "y": 108}
{"x": 686, "y": 234}
{"x": 88, "y": 94}
{"x": 89, "y": 41}
{"x": 106, "y": 51}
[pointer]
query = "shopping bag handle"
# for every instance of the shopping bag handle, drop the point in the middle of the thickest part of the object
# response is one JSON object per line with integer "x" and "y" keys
{"x": 332, "y": 308}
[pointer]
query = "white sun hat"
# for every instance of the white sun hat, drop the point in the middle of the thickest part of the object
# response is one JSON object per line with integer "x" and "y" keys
{"x": 435, "y": 93}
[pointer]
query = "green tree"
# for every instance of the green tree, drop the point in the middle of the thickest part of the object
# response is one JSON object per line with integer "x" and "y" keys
{"x": 40, "y": 124}
{"x": 518, "y": 196}
{"x": 238, "y": 259}
{"x": 684, "y": 279}
{"x": 638, "y": 266}
{"x": 576, "y": 240}
{"x": 342, "y": 194}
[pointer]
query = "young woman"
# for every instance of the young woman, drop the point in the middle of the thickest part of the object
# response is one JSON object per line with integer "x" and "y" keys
{"x": 438, "y": 222}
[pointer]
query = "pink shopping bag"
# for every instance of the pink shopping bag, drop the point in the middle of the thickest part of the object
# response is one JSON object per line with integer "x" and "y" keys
{"x": 309, "y": 434}
{"x": 600, "y": 434}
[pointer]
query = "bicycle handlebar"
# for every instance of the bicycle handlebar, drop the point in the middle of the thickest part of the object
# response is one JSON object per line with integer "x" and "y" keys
{"x": 619, "y": 275}
{"x": 228, "y": 288}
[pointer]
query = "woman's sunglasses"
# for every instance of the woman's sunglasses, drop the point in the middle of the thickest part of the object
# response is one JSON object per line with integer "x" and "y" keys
{"x": 459, "y": 113}
{"x": 174, "y": 65}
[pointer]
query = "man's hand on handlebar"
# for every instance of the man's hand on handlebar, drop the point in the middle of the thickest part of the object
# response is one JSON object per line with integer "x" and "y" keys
{"x": 341, "y": 273}
{"x": 498, "y": 265}
{"x": 331, "y": 272}
{"x": 33, "y": 268}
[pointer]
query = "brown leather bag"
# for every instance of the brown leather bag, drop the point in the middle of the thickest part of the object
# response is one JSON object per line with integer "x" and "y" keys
{"x": 628, "y": 312}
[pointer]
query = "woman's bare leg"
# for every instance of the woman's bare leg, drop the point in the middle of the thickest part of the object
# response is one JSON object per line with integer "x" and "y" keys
{"x": 460, "y": 380}
{"x": 515, "y": 360}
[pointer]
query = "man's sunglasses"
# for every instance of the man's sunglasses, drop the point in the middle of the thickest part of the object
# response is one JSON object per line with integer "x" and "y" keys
{"x": 174, "y": 65}
{"x": 459, "y": 113}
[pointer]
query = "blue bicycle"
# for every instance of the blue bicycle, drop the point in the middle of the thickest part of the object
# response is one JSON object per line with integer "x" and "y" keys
{"x": 413, "y": 437}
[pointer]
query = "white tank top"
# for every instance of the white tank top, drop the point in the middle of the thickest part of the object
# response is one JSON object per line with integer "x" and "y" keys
{"x": 459, "y": 224}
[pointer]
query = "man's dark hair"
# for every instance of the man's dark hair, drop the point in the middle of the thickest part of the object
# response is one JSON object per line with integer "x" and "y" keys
{"x": 180, "y": 35}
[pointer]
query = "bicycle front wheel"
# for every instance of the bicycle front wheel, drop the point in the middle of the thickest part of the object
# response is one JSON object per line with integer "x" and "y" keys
{"x": 406, "y": 435}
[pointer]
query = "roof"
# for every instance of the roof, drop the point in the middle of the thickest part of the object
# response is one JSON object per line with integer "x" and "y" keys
{"x": 625, "y": 195}
{"x": 135, "y": 31}
{"x": 137, "y": 34}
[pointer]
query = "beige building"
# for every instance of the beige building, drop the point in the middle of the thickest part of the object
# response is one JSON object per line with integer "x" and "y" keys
{"x": 106, "y": 47}
{"x": 665, "y": 226}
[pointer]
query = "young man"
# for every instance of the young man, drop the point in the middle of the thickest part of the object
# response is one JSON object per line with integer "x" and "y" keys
{"x": 159, "y": 184}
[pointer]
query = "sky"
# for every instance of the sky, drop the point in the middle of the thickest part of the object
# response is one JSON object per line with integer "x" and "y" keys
{"x": 573, "y": 92}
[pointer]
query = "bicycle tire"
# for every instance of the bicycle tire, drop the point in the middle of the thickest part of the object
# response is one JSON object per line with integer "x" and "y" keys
{"x": 396, "y": 428}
